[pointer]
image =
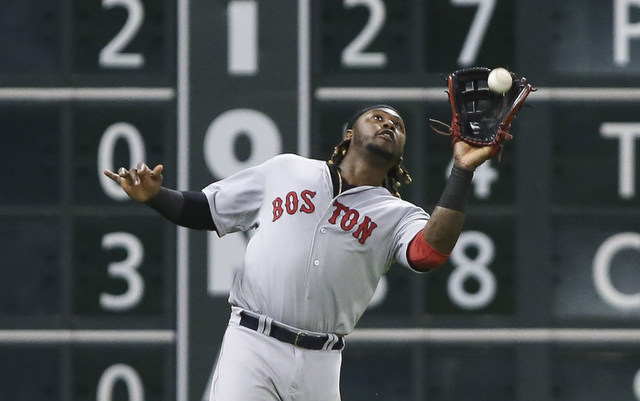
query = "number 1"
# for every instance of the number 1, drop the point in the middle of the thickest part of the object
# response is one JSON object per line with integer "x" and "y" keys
{"x": 242, "y": 54}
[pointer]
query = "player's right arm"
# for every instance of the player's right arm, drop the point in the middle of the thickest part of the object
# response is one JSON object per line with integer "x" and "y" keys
{"x": 440, "y": 234}
{"x": 186, "y": 208}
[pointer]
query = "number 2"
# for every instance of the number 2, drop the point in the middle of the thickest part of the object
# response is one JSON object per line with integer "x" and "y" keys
{"x": 111, "y": 56}
{"x": 354, "y": 55}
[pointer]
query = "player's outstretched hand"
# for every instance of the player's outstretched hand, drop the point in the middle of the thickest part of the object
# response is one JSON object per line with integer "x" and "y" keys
{"x": 140, "y": 183}
{"x": 469, "y": 156}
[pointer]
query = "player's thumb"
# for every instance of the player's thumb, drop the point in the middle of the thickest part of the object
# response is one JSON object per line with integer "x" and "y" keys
{"x": 157, "y": 170}
{"x": 156, "y": 173}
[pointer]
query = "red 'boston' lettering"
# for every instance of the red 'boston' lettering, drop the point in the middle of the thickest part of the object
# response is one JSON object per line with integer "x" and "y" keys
{"x": 339, "y": 209}
{"x": 292, "y": 202}
{"x": 349, "y": 220}
{"x": 364, "y": 229}
{"x": 277, "y": 208}
{"x": 308, "y": 206}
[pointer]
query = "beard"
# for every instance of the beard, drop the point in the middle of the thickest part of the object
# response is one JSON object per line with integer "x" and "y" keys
{"x": 385, "y": 154}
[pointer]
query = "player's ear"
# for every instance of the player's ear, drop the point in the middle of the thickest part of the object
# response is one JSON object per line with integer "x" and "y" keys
{"x": 348, "y": 134}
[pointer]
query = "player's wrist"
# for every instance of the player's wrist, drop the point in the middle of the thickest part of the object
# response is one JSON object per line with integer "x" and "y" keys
{"x": 457, "y": 191}
{"x": 166, "y": 201}
{"x": 156, "y": 193}
{"x": 464, "y": 166}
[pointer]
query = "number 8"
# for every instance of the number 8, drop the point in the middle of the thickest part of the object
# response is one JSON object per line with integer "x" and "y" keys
{"x": 475, "y": 268}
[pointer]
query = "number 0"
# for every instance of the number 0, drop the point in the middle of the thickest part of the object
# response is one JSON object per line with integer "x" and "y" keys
{"x": 106, "y": 148}
{"x": 120, "y": 372}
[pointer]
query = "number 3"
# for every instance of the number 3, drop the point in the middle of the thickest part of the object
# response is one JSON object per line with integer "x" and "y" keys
{"x": 126, "y": 270}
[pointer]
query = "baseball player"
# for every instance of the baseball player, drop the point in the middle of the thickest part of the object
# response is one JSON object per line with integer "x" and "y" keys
{"x": 325, "y": 233}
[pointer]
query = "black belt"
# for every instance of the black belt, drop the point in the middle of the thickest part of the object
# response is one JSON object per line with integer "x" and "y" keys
{"x": 300, "y": 339}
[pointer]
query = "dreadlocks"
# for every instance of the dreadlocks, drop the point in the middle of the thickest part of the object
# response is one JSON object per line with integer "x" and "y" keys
{"x": 396, "y": 176}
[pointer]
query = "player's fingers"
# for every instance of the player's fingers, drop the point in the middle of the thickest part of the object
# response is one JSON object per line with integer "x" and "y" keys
{"x": 133, "y": 173}
{"x": 125, "y": 175}
{"x": 115, "y": 177}
{"x": 143, "y": 169}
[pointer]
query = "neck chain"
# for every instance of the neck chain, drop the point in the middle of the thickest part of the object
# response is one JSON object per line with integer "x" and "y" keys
{"x": 339, "y": 181}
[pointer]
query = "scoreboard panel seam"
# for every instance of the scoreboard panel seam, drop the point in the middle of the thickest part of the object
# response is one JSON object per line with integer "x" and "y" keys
{"x": 555, "y": 94}
{"x": 583, "y": 336}
{"x": 87, "y": 94}
{"x": 87, "y": 337}
{"x": 566, "y": 336}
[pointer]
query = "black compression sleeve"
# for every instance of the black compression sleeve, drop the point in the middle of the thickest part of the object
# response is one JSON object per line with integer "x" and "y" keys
{"x": 196, "y": 212}
{"x": 186, "y": 208}
{"x": 168, "y": 203}
{"x": 458, "y": 189}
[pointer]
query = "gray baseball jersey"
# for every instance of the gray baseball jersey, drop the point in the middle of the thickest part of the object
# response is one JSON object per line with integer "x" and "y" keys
{"x": 315, "y": 260}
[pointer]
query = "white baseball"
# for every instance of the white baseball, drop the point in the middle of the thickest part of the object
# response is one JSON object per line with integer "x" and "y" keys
{"x": 499, "y": 80}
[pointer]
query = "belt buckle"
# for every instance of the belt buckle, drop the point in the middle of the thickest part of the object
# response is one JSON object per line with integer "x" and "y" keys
{"x": 299, "y": 336}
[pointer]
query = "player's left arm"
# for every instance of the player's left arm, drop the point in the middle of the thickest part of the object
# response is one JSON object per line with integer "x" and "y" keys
{"x": 185, "y": 208}
{"x": 441, "y": 232}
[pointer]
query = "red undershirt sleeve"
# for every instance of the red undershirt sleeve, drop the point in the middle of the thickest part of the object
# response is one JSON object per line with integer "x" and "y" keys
{"x": 422, "y": 256}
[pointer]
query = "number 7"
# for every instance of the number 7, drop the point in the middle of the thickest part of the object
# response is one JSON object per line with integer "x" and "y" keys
{"x": 478, "y": 29}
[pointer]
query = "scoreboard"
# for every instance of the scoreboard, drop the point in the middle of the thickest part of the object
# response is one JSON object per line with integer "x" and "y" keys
{"x": 101, "y": 299}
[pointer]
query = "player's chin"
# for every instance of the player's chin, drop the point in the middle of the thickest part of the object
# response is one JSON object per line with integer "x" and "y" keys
{"x": 388, "y": 153}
